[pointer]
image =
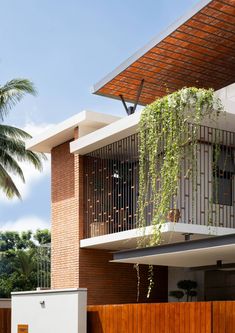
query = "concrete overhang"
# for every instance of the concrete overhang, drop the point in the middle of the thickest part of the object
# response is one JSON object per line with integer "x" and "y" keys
{"x": 130, "y": 124}
{"x": 171, "y": 233}
{"x": 87, "y": 121}
{"x": 195, "y": 51}
{"x": 197, "y": 253}
{"x": 111, "y": 133}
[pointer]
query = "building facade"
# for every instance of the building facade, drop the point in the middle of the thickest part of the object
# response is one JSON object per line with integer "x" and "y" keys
{"x": 94, "y": 167}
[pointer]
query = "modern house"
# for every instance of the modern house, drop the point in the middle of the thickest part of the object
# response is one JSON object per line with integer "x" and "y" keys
{"x": 95, "y": 174}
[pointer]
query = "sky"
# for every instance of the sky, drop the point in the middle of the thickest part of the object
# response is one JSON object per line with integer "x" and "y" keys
{"x": 65, "y": 47}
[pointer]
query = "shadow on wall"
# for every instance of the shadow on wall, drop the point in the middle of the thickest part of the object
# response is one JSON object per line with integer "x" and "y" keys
{"x": 94, "y": 322}
{"x": 63, "y": 173}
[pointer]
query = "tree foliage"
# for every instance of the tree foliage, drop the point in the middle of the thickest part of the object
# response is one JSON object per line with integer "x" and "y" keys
{"x": 19, "y": 257}
{"x": 12, "y": 139}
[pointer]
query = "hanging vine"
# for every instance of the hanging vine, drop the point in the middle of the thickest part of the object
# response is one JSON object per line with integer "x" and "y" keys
{"x": 169, "y": 127}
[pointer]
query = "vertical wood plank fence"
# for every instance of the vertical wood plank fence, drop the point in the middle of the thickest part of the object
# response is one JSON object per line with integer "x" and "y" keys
{"x": 192, "y": 317}
{"x": 5, "y": 320}
{"x": 223, "y": 314}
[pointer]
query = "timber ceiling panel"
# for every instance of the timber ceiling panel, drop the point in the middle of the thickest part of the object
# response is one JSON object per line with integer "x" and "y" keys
{"x": 199, "y": 52}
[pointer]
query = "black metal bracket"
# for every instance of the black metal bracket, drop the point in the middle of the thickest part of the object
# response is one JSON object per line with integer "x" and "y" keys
{"x": 187, "y": 236}
{"x": 131, "y": 109}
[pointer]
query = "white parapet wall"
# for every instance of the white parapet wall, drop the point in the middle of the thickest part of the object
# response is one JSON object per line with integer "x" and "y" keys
{"x": 51, "y": 311}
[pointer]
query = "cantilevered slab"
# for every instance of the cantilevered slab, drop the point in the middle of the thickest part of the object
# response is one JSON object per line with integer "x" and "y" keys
{"x": 87, "y": 121}
{"x": 198, "y": 50}
{"x": 171, "y": 233}
{"x": 129, "y": 125}
{"x": 111, "y": 133}
{"x": 202, "y": 252}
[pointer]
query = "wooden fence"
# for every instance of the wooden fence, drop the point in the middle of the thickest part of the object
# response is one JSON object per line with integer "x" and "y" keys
{"x": 151, "y": 318}
{"x": 223, "y": 314}
{"x": 193, "y": 317}
{"x": 5, "y": 320}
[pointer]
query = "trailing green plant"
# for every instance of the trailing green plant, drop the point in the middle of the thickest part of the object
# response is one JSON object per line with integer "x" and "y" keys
{"x": 150, "y": 279}
{"x": 137, "y": 268}
{"x": 169, "y": 129}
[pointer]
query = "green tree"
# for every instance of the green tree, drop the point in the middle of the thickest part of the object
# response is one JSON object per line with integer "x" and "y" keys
{"x": 12, "y": 240}
{"x": 43, "y": 236}
{"x": 12, "y": 139}
{"x": 24, "y": 261}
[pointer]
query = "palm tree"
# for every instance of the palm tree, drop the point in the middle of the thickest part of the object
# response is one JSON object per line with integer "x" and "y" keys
{"x": 25, "y": 263}
{"x": 12, "y": 139}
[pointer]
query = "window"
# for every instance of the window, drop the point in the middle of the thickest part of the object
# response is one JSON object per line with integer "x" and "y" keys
{"x": 223, "y": 172}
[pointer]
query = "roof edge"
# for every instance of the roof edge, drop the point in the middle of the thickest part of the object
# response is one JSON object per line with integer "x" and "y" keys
{"x": 158, "y": 38}
{"x": 63, "y": 131}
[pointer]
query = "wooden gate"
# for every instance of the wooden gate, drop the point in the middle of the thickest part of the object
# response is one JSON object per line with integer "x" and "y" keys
{"x": 5, "y": 320}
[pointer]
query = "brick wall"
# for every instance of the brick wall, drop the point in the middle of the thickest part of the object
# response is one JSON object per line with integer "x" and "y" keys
{"x": 112, "y": 283}
{"x": 73, "y": 267}
{"x": 65, "y": 226}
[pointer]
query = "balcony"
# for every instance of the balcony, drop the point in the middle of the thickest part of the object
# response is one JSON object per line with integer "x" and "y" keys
{"x": 111, "y": 187}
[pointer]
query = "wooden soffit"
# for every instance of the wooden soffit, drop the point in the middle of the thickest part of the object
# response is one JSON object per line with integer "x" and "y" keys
{"x": 198, "y": 50}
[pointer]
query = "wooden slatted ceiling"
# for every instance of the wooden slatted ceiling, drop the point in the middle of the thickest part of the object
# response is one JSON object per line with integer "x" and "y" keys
{"x": 200, "y": 52}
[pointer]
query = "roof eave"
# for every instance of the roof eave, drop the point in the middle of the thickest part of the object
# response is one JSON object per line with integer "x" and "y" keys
{"x": 157, "y": 39}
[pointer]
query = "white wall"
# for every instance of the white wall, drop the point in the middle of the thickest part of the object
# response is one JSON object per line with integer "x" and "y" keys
{"x": 175, "y": 274}
{"x": 5, "y": 303}
{"x": 63, "y": 311}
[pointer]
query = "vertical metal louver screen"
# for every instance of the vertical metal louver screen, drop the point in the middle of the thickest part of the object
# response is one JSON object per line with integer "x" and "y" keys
{"x": 111, "y": 185}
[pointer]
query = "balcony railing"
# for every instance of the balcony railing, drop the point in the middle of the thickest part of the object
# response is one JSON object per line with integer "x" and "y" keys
{"x": 44, "y": 266}
{"x": 111, "y": 185}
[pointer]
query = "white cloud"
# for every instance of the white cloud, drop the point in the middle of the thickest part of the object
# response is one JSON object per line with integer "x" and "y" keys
{"x": 32, "y": 176}
{"x": 35, "y": 129}
{"x": 25, "y": 223}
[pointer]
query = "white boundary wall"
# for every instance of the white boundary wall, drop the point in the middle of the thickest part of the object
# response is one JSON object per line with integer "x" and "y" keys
{"x": 51, "y": 311}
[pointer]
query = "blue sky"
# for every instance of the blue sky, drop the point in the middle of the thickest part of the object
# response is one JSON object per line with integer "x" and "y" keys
{"x": 65, "y": 47}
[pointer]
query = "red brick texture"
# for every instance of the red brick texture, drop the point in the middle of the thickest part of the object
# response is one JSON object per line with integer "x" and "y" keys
{"x": 65, "y": 227}
{"x": 73, "y": 267}
{"x": 113, "y": 283}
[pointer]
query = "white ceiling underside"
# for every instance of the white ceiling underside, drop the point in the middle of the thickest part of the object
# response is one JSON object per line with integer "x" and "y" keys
{"x": 189, "y": 258}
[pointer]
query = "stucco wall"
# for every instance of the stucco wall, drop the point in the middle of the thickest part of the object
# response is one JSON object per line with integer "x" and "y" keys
{"x": 56, "y": 311}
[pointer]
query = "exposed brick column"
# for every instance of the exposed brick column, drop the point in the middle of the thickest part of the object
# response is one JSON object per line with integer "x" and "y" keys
{"x": 65, "y": 226}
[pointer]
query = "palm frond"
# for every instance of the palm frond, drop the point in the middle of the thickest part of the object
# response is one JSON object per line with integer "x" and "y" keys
{"x": 14, "y": 132}
{"x": 24, "y": 262}
{"x": 35, "y": 159}
{"x": 12, "y": 151}
{"x": 12, "y": 92}
{"x": 12, "y": 139}
{"x": 7, "y": 185}
{"x": 10, "y": 164}
{"x": 16, "y": 147}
